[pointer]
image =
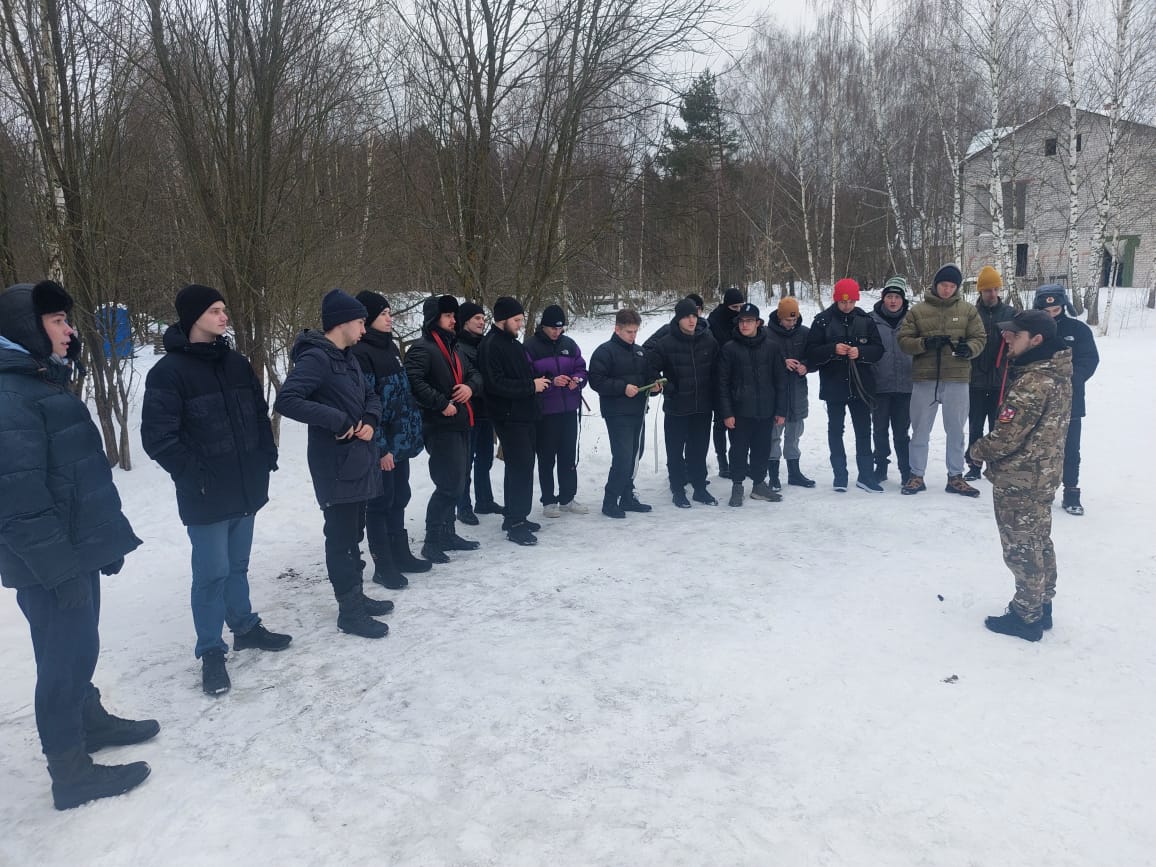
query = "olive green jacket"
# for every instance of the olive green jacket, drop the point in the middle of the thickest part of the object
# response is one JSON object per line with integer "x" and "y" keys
{"x": 953, "y": 317}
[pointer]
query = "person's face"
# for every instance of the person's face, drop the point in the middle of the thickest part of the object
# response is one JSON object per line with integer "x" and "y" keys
{"x": 552, "y": 332}
{"x": 59, "y": 332}
{"x": 383, "y": 322}
{"x": 1055, "y": 311}
{"x": 945, "y": 289}
{"x": 213, "y": 322}
{"x": 514, "y": 324}
{"x": 892, "y": 303}
{"x": 447, "y": 322}
{"x": 735, "y": 307}
{"x": 990, "y": 297}
{"x": 348, "y": 333}
{"x": 628, "y": 333}
{"x": 1019, "y": 342}
{"x": 476, "y": 324}
{"x": 748, "y": 326}
{"x": 688, "y": 324}
{"x": 846, "y": 305}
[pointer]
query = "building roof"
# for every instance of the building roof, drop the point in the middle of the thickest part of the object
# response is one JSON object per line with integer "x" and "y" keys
{"x": 984, "y": 138}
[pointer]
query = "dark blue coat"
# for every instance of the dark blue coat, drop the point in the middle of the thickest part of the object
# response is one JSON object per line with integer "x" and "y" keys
{"x": 614, "y": 365}
{"x": 205, "y": 420}
{"x": 60, "y": 514}
{"x": 792, "y": 342}
{"x": 327, "y": 391}
{"x": 399, "y": 433}
{"x": 1077, "y": 336}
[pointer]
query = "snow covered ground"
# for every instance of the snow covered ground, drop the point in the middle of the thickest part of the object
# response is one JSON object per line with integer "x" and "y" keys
{"x": 803, "y": 683}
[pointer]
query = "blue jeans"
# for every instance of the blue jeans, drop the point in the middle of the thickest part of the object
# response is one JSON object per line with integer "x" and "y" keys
{"x": 220, "y": 591}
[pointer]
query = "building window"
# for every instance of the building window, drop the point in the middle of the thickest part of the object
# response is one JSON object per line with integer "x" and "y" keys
{"x": 1021, "y": 260}
{"x": 1079, "y": 142}
{"x": 1015, "y": 204}
{"x": 982, "y": 214}
{"x": 1050, "y": 147}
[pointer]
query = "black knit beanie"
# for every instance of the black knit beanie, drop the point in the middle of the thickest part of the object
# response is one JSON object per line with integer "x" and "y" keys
{"x": 192, "y": 302}
{"x": 338, "y": 307}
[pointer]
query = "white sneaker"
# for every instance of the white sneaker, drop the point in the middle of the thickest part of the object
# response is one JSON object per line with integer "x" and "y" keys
{"x": 575, "y": 508}
{"x": 551, "y": 510}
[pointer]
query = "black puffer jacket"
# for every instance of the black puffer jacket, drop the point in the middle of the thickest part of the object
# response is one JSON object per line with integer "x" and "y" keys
{"x": 987, "y": 367}
{"x": 752, "y": 378}
{"x": 327, "y": 391}
{"x": 60, "y": 513}
{"x": 508, "y": 378}
{"x": 614, "y": 365}
{"x": 205, "y": 420}
{"x": 690, "y": 365}
{"x": 793, "y": 344}
{"x": 838, "y": 380}
{"x": 432, "y": 380}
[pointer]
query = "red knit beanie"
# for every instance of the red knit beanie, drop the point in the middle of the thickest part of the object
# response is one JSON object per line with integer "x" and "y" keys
{"x": 846, "y": 290}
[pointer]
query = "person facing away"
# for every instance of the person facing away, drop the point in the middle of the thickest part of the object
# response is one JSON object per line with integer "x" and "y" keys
{"x": 989, "y": 366}
{"x": 61, "y": 528}
{"x": 204, "y": 419}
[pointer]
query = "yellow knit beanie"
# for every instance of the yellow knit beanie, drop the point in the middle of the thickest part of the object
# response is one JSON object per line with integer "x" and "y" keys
{"x": 988, "y": 279}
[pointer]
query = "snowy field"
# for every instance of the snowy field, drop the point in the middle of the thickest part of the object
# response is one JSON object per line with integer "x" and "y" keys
{"x": 802, "y": 683}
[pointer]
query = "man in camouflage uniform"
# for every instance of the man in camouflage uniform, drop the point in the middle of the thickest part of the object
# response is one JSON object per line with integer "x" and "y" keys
{"x": 1024, "y": 457}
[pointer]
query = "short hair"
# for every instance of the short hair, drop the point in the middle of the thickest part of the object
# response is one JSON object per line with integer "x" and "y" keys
{"x": 626, "y": 316}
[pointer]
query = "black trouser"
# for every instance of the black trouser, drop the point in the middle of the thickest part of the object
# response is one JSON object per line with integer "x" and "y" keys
{"x": 557, "y": 440}
{"x": 751, "y": 448}
{"x": 893, "y": 411}
{"x": 449, "y": 456}
{"x": 1072, "y": 453}
{"x": 517, "y": 438}
{"x": 626, "y": 444}
{"x": 982, "y": 408}
{"x": 66, "y": 644}
{"x": 386, "y": 514}
{"x": 861, "y": 421}
{"x": 687, "y": 438}
{"x": 481, "y": 457}
{"x": 343, "y": 523}
{"x": 720, "y": 439}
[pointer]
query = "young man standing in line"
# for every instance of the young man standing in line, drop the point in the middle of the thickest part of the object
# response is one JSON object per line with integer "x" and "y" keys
{"x": 471, "y": 328}
{"x": 722, "y": 326}
{"x": 892, "y": 383}
{"x": 785, "y": 327}
{"x": 206, "y": 422}
{"x": 987, "y": 368}
{"x": 326, "y": 390}
{"x": 61, "y": 528}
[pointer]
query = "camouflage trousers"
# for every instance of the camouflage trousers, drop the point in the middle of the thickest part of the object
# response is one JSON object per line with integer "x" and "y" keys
{"x": 1025, "y": 530}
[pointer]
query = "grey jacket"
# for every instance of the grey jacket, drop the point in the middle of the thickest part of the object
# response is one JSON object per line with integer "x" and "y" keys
{"x": 893, "y": 372}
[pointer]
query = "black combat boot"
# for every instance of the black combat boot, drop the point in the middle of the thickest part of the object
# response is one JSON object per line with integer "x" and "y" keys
{"x": 1046, "y": 619}
{"x": 795, "y": 475}
{"x": 1010, "y": 623}
{"x": 374, "y": 607}
{"x": 610, "y": 507}
{"x": 451, "y": 541}
{"x": 102, "y": 729}
{"x": 736, "y": 499}
{"x": 76, "y": 780}
{"x": 773, "y": 476}
{"x": 385, "y": 571}
{"x": 354, "y": 619}
{"x": 432, "y": 548}
{"x": 679, "y": 498}
{"x": 881, "y": 465}
{"x": 629, "y": 502}
{"x": 467, "y": 516}
{"x": 403, "y": 558}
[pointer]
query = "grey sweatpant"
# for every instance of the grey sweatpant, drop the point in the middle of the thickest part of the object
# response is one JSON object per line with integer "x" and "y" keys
{"x": 955, "y": 398}
{"x": 785, "y": 441}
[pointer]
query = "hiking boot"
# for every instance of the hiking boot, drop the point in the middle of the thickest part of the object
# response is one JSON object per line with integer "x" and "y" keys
{"x": 1072, "y": 501}
{"x": 520, "y": 534}
{"x": 260, "y": 638}
{"x": 102, "y": 729}
{"x": 736, "y": 499}
{"x": 403, "y": 558}
{"x": 773, "y": 476}
{"x": 214, "y": 677}
{"x": 795, "y": 475}
{"x": 1011, "y": 623}
{"x": 451, "y": 541}
{"x": 466, "y": 516}
{"x": 913, "y": 485}
{"x": 956, "y": 485}
{"x": 490, "y": 508}
{"x": 762, "y": 491}
{"x": 973, "y": 474}
{"x": 680, "y": 500}
{"x": 375, "y": 607}
{"x": 1046, "y": 618}
{"x": 611, "y": 509}
{"x": 76, "y": 780}
{"x": 385, "y": 571}
{"x": 431, "y": 548}
{"x": 552, "y": 510}
{"x": 869, "y": 485}
{"x": 630, "y": 503}
{"x": 702, "y": 495}
{"x": 353, "y": 619}
{"x": 574, "y": 508}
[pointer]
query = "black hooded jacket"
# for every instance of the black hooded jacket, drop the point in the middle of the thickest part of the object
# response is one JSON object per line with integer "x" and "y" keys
{"x": 722, "y": 324}
{"x": 508, "y": 378}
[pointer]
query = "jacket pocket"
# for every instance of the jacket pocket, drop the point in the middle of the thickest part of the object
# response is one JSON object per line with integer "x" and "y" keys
{"x": 355, "y": 460}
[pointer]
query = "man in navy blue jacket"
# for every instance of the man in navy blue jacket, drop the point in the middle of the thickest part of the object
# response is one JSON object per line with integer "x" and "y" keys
{"x": 205, "y": 420}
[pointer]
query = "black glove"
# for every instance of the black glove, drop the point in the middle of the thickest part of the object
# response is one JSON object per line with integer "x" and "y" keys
{"x": 73, "y": 593}
{"x": 936, "y": 341}
{"x": 112, "y": 568}
{"x": 962, "y": 350}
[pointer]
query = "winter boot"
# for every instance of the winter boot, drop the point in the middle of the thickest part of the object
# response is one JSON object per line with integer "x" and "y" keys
{"x": 881, "y": 469}
{"x": 773, "y": 476}
{"x": 1011, "y": 623}
{"x": 1046, "y": 619}
{"x": 795, "y": 475}
{"x": 762, "y": 491}
{"x": 466, "y": 516}
{"x": 702, "y": 495}
{"x": 913, "y": 485}
{"x": 102, "y": 729}
{"x": 403, "y": 558}
{"x": 214, "y": 676}
{"x": 260, "y": 638}
{"x": 610, "y": 507}
{"x": 520, "y": 534}
{"x": 629, "y": 502}
{"x": 354, "y": 619}
{"x": 1072, "y": 501}
{"x": 76, "y": 780}
{"x": 679, "y": 498}
{"x": 488, "y": 508}
{"x": 736, "y": 499}
{"x": 956, "y": 485}
{"x": 432, "y": 549}
{"x": 974, "y": 473}
{"x": 385, "y": 571}
{"x": 451, "y": 541}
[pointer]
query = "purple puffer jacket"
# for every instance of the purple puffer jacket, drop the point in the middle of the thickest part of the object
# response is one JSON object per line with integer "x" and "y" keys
{"x": 552, "y": 358}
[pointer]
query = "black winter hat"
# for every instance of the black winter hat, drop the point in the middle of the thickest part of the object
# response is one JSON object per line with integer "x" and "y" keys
{"x": 192, "y": 302}
{"x": 374, "y": 303}
{"x": 48, "y": 296}
{"x": 684, "y": 308}
{"x": 436, "y": 305}
{"x": 338, "y": 307}
{"x": 505, "y": 307}
{"x": 20, "y": 323}
{"x": 748, "y": 311}
{"x": 468, "y": 311}
{"x": 554, "y": 317}
{"x": 733, "y": 295}
{"x": 950, "y": 273}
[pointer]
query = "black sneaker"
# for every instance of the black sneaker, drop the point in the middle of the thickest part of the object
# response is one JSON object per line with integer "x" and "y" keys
{"x": 1010, "y": 623}
{"x": 868, "y": 485}
{"x": 466, "y": 516}
{"x": 702, "y": 495}
{"x": 214, "y": 677}
{"x": 260, "y": 638}
{"x": 680, "y": 500}
{"x": 451, "y": 541}
{"x": 973, "y": 474}
{"x": 611, "y": 509}
{"x": 520, "y": 534}
{"x": 840, "y": 484}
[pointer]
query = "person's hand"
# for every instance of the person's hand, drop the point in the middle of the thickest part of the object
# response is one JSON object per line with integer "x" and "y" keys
{"x": 561, "y": 380}
{"x": 364, "y": 432}
{"x": 792, "y": 364}
{"x": 962, "y": 350}
{"x": 780, "y": 419}
{"x": 852, "y": 352}
{"x": 801, "y": 369}
{"x": 113, "y": 568}
{"x": 572, "y": 384}
{"x": 349, "y": 434}
{"x": 631, "y": 390}
{"x": 73, "y": 593}
{"x": 729, "y": 422}
{"x": 450, "y": 410}
{"x": 657, "y": 388}
{"x": 461, "y": 393}
{"x": 841, "y": 348}
{"x": 541, "y": 384}
{"x": 387, "y": 463}
{"x": 936, "y": 341}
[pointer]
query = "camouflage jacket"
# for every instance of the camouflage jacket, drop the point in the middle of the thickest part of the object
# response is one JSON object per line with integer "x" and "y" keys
{"x": 1025, "y": 452}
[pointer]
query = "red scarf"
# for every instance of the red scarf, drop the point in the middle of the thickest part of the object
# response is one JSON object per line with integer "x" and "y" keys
{"x": 455, "y": 364}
